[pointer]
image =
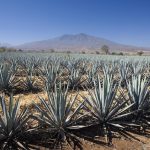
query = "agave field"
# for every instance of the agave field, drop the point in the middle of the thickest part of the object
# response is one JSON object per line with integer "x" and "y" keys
{"x": 116, "y": 103}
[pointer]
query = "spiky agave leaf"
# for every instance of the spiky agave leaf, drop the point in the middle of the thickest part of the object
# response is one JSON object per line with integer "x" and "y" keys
{"x": 13, "y": 124}
{"x": 50, "y": 75}
{"x": 138, "y": 91}
{"x": 59, "y": 114}
{"x": 137, "y": 68}
{"x": 139, "y": 94}
{"x": 124, "y": 73}
{"x": 7, "y": 77}
{"x": 75, "y": 79}
{"x": 108, "y": 111}
{"x": 30, "y": 82}
{"x": 91, "y": 74}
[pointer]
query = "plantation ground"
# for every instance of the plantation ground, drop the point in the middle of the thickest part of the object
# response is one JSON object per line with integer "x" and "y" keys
{"x": 89, "y": 141}
{"x": 119, "y": 143}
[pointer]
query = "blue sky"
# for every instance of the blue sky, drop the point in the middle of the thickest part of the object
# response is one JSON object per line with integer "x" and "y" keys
{"x": 123, "y": 21}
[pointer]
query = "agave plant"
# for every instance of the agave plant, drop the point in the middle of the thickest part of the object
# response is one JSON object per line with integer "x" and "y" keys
{"x": 13, "y": 124}
{"x": 138, "y": 91}
{"x": 108, "y": 72}
{"x": 109, "y": 112}
{"x": 91, "y": 74}
{"x": 59, "y": 116}
{"x": 136, "y": 68}
{"x": 50, "y": 75}
{"x": 30, "y": 82}
{"x": 123, "y": 68}
{"x": 83, "y": 67}
{"x": 76, "y": 80}
{"x": 7, "y": 78}
{"x": 139, "y": 94}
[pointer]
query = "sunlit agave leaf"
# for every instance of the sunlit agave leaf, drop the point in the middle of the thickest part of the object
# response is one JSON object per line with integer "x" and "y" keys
{"x": 138, "y": 91}
{"x": 103, "y": 106}
{"x": 13, "y": 123}
{"x": 58, "y": 114}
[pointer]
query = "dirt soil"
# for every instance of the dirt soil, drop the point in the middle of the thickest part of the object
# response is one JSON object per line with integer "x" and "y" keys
{"x": 120, "y": 144}
{"x": 96, "y": 143}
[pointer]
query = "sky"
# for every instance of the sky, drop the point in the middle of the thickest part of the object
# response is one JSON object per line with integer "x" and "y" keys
{"x": 122, "y": 21}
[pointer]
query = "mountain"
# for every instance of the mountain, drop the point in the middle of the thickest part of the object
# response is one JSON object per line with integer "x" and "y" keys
{"x": 78, "y": 42}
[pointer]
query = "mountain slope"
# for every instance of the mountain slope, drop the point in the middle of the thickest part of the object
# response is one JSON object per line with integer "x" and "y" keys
{"x": 78, "y": 42}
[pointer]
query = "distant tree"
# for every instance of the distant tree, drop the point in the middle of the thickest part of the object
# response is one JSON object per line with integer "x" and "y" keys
{"x": 105, "y": 49}
{"x": 52, "y": 50}
{"x": 83, "y": 52}
{"x": 20, "y": 50}
{"x": 140, "y": 53}
{"x": 121, "y": 53}
{"x": 114, "y": 53}
{"x": 7, "y": 49}
{"x": 97, "y": 52}
{"x": 3, "y": 49}
{"x": 68, "y": 52}
{"x": 11, "y": 50}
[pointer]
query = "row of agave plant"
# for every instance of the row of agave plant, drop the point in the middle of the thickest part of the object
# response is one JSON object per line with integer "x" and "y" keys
{"x": 59, "y": 120}
{"x": 30, "y": 74}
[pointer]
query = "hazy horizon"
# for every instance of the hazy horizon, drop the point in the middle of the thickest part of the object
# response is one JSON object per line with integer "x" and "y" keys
{"x": 125, "y": 22}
